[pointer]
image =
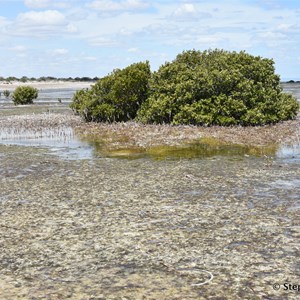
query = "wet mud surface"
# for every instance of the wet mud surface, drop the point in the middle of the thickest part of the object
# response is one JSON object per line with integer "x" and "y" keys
{"x": 211, "y": 228}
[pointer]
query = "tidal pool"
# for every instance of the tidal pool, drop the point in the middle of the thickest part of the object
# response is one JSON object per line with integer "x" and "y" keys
{"x": 201, "y": 149}
{"x": 62, "y": 141}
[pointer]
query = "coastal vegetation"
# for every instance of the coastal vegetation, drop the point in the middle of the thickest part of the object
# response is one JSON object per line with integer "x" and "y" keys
{"x": 214, "y": 87}
{"x": 115, "y": 97}
{"x": 6, "y": 93}
{"x": 47, "y": 79}
{"x": 24, "y": 95}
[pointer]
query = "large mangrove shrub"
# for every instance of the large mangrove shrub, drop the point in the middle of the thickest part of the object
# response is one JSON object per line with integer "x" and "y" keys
{"x": 115, "y": 97}
{"x": 217, "y": 87}
{"x": 24, "y": 95}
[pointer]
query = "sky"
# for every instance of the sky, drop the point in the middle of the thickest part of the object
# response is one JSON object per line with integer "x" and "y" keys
{"x": 70, "y": 38}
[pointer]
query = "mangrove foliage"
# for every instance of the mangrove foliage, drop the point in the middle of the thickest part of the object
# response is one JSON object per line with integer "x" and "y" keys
{"x": 213, "y": 87}
{"x": 24, "y": 95}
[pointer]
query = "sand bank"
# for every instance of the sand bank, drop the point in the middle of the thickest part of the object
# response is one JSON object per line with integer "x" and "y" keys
{"x": 4, "y": 85}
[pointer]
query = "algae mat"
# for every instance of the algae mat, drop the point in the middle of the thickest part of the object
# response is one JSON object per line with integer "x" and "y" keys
{"x": 107, "y": 228}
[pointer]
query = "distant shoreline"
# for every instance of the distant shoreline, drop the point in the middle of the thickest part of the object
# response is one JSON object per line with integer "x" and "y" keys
{"x": 53, "y": 84}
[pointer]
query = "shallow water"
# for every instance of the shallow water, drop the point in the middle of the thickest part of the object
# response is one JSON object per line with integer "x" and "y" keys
{"x": 293, "y": 88}
{"x": 147, "y": 229}
{"x": 65, "y": 95}
{"x": 60, "y": 141}
{"x": 48, "y": 95}
{"x": 66, "y": 144}
{"x": 201, "y": 221}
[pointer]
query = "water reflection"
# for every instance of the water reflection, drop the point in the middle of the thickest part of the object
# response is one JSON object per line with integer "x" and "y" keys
{"x": 59, "y": 141}
{"x": 202, "y": 149}
{"x": 291, "y": 152}
{"x": 62, "y": 141}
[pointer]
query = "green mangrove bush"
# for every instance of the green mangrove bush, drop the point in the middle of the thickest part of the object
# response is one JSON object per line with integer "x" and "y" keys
{"x": 6, "y": 93}
{"x": 217, "y": 87}
{"x": 24, "y": 95}
{"x": 115, "y": 97}
{"x": 213, "y": 87}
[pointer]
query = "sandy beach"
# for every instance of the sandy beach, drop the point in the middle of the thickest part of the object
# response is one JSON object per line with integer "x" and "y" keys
{"x": 55, "y": 84}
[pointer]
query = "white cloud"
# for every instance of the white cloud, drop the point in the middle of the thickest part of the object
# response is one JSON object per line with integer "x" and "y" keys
{"x": 284, "y": 26}
{"x": 71, "y": 28}
{"x": 36, "y": 4}
{"x": 271, "y": 35}
{"x": 289, "y": 29}
{"x": 110, "y": 6}
{"x": 48, "y": 17}
{"x": 189, "y": 12}
{"x": 102, "y": 42}
{"x": 60, "y": 51}
{"x": 41, "y": 24}
{"x": 156, "y": 27}
{"x": 185, "y": 9}
{"x": 18, "y": 48}
{"x": 133, "y": 50}
{"x": 2, "y": 21}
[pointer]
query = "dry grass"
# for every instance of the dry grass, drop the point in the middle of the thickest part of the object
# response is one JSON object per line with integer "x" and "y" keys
{"x": 38, "y": 121}
{"x": 35, "y": 126}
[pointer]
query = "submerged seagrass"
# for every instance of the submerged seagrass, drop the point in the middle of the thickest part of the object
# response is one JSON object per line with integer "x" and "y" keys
{"x": 202, "y": 228}
{"x": 144, "y": 229}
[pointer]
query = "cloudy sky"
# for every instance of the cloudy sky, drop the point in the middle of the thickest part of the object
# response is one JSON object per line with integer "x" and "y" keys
{"x": 65, "y": 38}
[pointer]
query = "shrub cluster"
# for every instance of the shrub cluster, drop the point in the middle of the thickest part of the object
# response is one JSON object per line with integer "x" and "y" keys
{"x": 115, "y": 97}
{"x": 213, "y": 87}
{"x": 24, "y": 95}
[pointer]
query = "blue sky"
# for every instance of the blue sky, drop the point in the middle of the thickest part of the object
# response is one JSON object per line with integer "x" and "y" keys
{"x": 65, "y": 38}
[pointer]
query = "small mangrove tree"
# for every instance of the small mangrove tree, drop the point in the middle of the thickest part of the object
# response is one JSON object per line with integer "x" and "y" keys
{"x": 24, "y": 95}
{"x": 115, "y": 97}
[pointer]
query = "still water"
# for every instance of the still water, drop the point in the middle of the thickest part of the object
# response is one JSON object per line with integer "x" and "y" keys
{"x": 293, "y": 88}
{"x": 64, "y": 143}
{"x": 48, "y": 95}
